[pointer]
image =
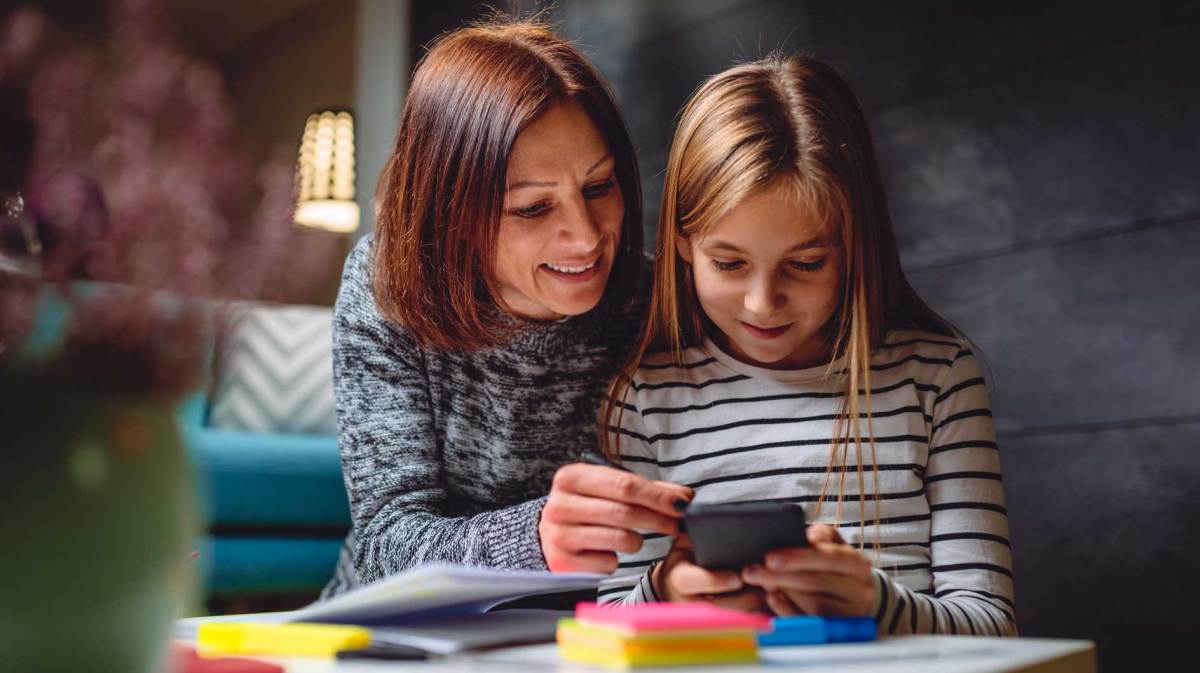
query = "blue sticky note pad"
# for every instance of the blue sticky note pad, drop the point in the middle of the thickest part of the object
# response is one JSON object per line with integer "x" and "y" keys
{"x": 850, "y": 629}
{"x": 800, "y": 630}
{"x": 806, "y": 630}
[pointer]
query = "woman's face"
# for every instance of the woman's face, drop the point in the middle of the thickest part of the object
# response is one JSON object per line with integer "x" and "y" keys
{"x": 562, "y": 218}
{"x": 769, "y": 278}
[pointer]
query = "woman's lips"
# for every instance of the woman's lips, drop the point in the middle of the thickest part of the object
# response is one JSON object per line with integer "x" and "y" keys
{"x": 579, "y": 277}
{"x": 765, "y": 333}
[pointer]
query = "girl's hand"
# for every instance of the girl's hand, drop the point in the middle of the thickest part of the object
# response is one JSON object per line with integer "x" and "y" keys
{"x": 679, "y": 579}
{"x": 592, "y": 513}
{"x": 830, "y": 578}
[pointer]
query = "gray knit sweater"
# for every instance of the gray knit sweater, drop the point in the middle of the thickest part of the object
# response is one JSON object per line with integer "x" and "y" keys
{"x": 448, "y": 457}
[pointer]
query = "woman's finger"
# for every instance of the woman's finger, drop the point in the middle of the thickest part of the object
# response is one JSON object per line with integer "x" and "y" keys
{"x": 582, "y": 562}
{"x": 571, "y": 508}
{"x": 575, "y": 539}
{"x": 610, "y": 483}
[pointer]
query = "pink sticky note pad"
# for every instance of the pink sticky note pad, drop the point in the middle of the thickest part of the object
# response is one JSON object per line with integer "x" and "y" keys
{"x": 669, "y": 617}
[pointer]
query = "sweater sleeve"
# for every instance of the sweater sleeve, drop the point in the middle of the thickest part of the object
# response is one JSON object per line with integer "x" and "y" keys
{"x": 391, "y": 453}
{"x": 631, "y": 581}
{"x": 970, "y": 552}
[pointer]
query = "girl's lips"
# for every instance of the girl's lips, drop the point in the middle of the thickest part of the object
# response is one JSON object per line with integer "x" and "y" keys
{"x": 761, "y": 333}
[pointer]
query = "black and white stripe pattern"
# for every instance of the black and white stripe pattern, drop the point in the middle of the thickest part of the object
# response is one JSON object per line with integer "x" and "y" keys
{"x": 739, "y": 433}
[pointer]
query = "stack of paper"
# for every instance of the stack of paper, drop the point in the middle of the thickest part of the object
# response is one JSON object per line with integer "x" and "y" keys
{"x": 659, "y": 634}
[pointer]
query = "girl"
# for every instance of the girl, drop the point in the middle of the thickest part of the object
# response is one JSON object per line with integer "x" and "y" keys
{"x": 786, "y": 358}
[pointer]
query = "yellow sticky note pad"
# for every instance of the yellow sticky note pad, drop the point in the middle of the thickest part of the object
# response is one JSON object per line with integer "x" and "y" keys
{"x": 592, "y": 644}
{"x": 287, "y": 640}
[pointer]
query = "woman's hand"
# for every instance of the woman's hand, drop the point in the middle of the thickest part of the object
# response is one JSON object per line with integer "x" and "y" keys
{"x": 679, "y": 579}
{"x": 830, "y": 578}
{"x": 592, "y": 513}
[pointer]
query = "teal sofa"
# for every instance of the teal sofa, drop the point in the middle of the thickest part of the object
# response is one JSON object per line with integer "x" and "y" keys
{"x": 274, "y": 505}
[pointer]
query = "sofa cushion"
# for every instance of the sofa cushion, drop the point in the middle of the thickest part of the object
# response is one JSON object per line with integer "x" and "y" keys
{"x": 274, "y": 371}
{"x": 258, "y": 482}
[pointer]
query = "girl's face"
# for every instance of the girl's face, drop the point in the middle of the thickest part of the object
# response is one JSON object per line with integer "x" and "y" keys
{"x": 562, "y": 217}
{"x": 769, "y": 279}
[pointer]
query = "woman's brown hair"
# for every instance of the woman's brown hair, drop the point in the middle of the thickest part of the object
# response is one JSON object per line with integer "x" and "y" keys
{"x": 791, "y": 121}
{"x": 442, "y": 191}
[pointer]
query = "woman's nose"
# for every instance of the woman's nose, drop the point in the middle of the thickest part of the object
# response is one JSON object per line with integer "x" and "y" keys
{"x": 579, "y": 227}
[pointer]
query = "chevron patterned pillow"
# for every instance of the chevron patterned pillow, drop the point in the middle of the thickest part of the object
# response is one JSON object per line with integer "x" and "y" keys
{"x": 274, "y": 371}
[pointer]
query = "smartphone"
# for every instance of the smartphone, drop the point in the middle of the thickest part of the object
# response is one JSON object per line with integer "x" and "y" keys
{"x": 733, "y": 536}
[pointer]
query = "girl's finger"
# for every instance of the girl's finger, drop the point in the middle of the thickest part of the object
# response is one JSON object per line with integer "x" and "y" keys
{"x": 831, "y": 584}
{"x": 780, "y": 604}
{"x": 821, "y": 532}
{"x": 692, "y": 580}
{"x": 746, "y": 600}
{"x": 821, "y": 605}
{"x": 823, "y": 557}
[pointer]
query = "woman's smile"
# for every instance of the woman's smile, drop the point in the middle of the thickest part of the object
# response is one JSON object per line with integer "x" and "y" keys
{"x": 576, "y": 271}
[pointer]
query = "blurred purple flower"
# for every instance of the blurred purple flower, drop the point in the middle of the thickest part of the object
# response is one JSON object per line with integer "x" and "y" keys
{"x": 135, "y": 178}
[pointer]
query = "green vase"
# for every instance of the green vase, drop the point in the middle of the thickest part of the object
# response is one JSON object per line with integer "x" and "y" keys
{"x": 96, "y": 521}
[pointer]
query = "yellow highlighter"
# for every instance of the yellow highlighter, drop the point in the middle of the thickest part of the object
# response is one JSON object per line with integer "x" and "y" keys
{"x": 215, "y": 639}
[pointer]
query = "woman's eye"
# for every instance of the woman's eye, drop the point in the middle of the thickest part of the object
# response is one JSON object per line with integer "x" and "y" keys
{"x": 726, "y": 266}
{"x": 808, "y": 267}
{"x": 532, "y": 211}
{"x": 598, "y": 190}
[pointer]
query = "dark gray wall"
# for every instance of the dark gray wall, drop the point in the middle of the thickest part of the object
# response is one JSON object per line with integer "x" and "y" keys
{"x": 1043, "y": 165}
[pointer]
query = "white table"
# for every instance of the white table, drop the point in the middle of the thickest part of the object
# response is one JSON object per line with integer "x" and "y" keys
{"x": 900, "y": 654}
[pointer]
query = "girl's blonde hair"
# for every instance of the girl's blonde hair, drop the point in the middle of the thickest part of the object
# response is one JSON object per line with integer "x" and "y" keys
{"x": 790, "y": 121}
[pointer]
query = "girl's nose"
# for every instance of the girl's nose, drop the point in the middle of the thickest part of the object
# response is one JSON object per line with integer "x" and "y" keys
{"x": 763, "y": 297}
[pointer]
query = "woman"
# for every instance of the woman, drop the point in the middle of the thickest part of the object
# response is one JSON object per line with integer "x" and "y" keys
{"x": 475, "y": 332}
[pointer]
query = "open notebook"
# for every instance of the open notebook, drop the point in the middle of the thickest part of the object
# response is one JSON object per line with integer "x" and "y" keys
{"x": 419, "y": 595}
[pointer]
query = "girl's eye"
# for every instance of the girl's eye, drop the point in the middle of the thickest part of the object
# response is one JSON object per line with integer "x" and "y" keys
{"x": 533, "y": 211}
{"x": 726, "y": 266}
{"x": 808, "y": 267}
{"x": 598, "y": 190}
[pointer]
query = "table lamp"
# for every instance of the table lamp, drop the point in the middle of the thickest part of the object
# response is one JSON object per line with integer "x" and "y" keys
{"x": 326, "y": 173}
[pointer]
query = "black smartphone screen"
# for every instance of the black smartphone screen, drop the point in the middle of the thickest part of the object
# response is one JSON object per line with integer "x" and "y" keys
{"x": 733, "y": 536}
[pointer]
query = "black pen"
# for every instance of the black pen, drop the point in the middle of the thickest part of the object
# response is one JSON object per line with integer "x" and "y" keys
{"x": 597, "y": 459}
{"x": 393, "y": 651}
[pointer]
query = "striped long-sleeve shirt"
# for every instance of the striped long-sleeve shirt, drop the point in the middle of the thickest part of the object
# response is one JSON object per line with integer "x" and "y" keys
{"x": 737, "y": 433}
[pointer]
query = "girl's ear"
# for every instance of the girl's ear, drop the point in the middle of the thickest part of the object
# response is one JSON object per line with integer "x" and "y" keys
{"x": 684, "y": 247}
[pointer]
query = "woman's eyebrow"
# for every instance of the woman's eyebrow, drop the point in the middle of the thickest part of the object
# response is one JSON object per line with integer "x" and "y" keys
{"x": 596, "y": 165}
{"x": 522, "y": 184}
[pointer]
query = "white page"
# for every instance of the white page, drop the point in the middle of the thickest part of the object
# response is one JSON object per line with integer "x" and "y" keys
{"x": 435, "y": 587}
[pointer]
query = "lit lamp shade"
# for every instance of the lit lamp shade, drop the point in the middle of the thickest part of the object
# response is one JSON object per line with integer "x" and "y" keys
{"x": 326, "y": 173}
